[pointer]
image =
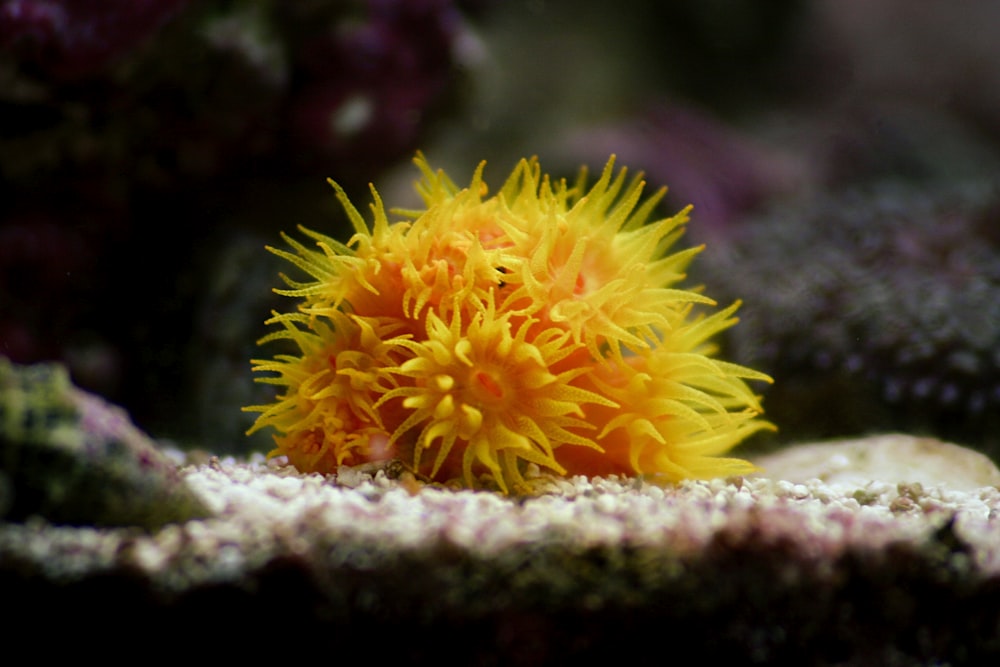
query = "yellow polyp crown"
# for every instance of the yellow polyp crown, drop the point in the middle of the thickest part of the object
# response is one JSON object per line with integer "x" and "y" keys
{"x": 542, "y": 325}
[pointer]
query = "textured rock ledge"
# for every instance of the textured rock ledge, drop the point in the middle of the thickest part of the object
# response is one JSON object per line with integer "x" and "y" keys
{"x": 755, "y": 570}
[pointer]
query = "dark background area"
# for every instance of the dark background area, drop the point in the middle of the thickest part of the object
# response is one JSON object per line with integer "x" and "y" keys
{"x": 842, "y": 158}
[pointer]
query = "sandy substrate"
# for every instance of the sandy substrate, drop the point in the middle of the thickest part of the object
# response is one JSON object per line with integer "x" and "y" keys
{"x": 836, "y": 568}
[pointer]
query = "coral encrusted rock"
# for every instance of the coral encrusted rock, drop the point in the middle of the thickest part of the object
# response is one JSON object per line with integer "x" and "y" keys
{"x": 70, "y": 458}
{"x": 755, "y": 570}
{"x": 877, "y": 309}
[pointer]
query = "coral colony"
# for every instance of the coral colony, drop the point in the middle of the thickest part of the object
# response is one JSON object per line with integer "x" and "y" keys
{"x": 482, "y": 334}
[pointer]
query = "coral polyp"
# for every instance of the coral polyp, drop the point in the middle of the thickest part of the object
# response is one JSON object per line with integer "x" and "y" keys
{"x": 541, "y": 325}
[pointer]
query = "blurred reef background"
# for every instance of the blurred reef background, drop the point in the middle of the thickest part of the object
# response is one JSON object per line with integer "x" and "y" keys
{"x": 842, "y": 157}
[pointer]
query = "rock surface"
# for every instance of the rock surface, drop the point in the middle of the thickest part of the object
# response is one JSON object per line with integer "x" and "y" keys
{"x": 850, "y": 571}
{"x": 885, "y": 458}
{"x": 71, "y": 458}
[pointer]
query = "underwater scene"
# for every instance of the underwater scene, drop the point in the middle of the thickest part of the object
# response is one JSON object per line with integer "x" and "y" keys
{"x": 613, "y": 321}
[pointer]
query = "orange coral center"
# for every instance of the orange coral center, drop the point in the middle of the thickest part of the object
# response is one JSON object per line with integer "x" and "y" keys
{"x": 489, "y": 384}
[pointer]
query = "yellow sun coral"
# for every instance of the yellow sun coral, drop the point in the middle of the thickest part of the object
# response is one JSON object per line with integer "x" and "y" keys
{"x": 482, "y": 333}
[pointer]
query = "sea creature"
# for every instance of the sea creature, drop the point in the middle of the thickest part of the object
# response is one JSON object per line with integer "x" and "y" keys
{"x": 541, "y": 325}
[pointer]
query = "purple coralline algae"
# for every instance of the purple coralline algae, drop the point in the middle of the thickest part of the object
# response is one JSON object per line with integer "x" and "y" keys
{"x": 69, "y": 40}
{"x": 877, "y": 309}
{"x": 170, "y": 124}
